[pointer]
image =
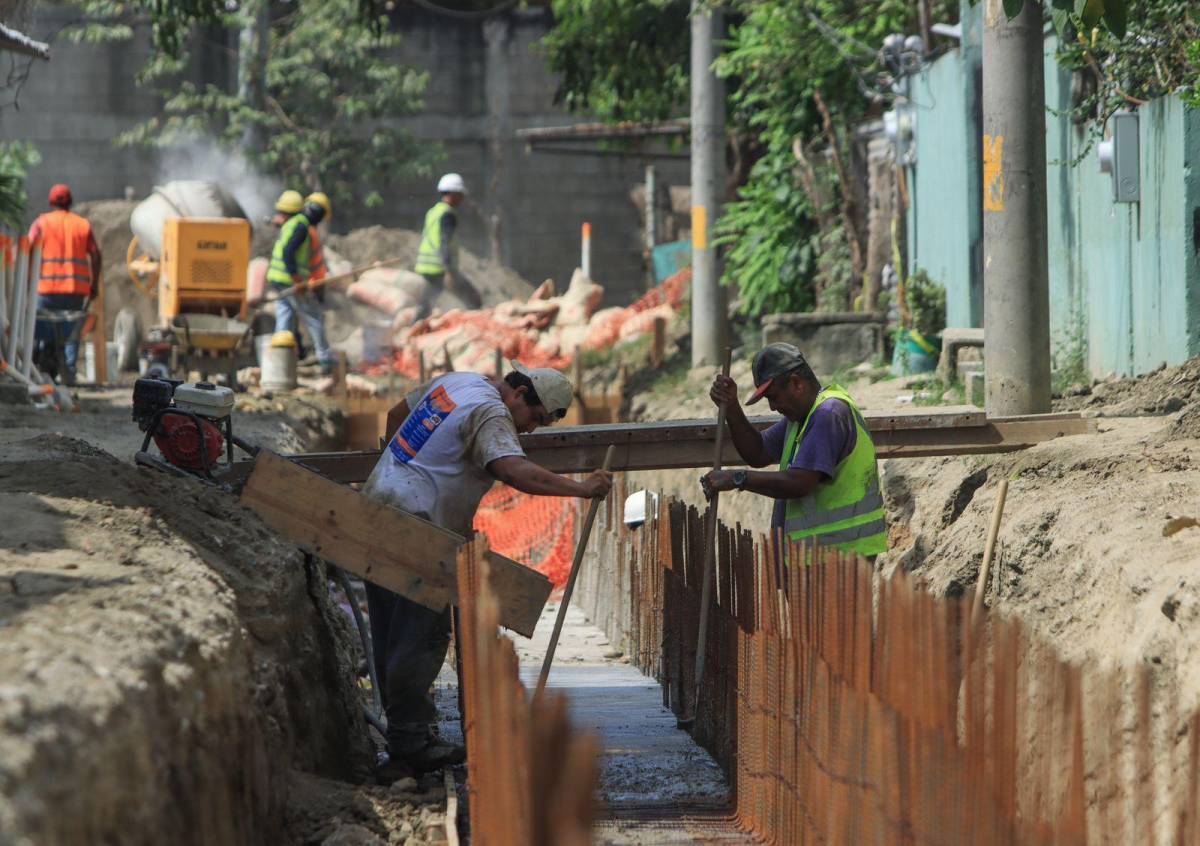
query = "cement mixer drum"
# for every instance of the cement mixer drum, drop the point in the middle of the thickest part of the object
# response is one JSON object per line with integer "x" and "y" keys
{"x": 181, "y": 198}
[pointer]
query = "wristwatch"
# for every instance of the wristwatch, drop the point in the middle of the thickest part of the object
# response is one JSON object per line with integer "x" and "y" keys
{"x": 739, "y": 479}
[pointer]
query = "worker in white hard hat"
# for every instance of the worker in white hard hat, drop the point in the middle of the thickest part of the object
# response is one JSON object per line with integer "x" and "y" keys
{"x": 636, "y": 506}
{"x": 449, "y": 442}
{"x": 436, "y": 256}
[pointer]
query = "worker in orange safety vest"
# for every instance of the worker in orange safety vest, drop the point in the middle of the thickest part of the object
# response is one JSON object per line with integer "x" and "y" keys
{"x": 70, "y": 273}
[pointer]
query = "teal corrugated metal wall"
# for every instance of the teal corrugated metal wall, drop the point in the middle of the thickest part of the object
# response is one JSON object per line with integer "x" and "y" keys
{"x": 1124, "y": 277}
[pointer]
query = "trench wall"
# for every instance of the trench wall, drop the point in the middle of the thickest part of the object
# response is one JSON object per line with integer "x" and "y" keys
{"x": 849, "y": 708}
{"x": 165, "y": 661}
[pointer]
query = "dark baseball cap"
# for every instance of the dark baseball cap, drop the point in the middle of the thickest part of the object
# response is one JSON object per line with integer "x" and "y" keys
{"x": 773, "y": 361}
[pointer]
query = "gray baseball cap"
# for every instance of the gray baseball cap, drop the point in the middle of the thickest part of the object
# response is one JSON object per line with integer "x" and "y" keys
{"x": 771, "y": 362}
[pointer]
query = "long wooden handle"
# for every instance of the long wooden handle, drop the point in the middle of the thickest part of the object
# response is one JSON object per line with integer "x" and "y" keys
{"x": 989, "y": 549}
{"x": 593, "y": 507}
{"x": 710, "y": 543}
{"x": 329, "y": 280}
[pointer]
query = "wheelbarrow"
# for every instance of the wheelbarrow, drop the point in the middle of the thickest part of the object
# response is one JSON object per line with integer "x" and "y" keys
{"x": 54, "y": 331}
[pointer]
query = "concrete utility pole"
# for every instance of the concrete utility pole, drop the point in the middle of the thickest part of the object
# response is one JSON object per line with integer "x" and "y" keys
{"x": 709, "y": 317}
{"x": 1016, "y": 289}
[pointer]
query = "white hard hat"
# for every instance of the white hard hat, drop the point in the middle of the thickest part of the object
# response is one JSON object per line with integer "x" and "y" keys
{"x": 636, "y": 506}
{"x": 452, "y": 183}
{"x": 553, "y": 388}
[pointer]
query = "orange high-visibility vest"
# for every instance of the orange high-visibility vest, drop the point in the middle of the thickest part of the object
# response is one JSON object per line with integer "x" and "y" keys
{"x": 66, "y": 266}
{"x": 316, "y": 257}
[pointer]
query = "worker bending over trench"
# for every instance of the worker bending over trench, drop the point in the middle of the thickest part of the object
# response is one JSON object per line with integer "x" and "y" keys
{"x": 449, "y": 441}
{"x": 826, "y": 489}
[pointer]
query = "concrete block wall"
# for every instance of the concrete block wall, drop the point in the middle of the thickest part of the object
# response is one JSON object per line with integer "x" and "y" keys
{"x": 486, "y": 80}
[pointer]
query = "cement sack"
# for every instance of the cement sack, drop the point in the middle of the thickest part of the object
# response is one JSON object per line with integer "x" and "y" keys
{"x": 384, "y": 296}
{"x": 580, "y": 301}
{"x": 642, "y": 323}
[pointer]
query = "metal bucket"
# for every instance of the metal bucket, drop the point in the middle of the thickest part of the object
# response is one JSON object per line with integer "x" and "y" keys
{"x": 278, "y": 365}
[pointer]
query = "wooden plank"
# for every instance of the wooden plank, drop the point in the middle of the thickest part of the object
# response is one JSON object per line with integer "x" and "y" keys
{"x": 685, "y": 444}
{"x": 383, "y": 545}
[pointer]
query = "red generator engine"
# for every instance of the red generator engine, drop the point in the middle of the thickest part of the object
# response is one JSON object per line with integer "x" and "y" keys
{"x": 190, "y": 423}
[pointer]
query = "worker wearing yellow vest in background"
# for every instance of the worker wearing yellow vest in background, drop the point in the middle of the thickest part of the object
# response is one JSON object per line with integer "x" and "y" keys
{"x": 436, "y": 256}
{"x": 70, "y": 273}
{"x": 827, "y": 486}
{"x": 291, "y": 268}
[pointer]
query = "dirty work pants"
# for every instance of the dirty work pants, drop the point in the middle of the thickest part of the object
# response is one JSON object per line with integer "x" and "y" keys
{"x": 410, "y": 643}
{"x": 310, "y": 310}
{"x": 434, "y": 285}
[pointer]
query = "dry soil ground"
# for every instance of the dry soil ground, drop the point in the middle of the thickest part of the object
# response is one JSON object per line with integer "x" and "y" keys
{"x": 169, "y": 668}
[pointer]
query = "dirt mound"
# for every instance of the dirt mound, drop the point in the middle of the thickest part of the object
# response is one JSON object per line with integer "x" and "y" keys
{"x": 1164, "y": 391}
{"x": 1083, "y": 555}
{"x": 494, "y": 282}
{"x": 166, "y": 660}
{"x": 110, "y": 223}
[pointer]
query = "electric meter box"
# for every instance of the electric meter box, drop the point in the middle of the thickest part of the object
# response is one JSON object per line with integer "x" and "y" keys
{"x": 1127, "y": 179}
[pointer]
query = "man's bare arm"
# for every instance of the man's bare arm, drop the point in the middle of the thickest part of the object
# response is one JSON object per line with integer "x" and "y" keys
{"x": 519, "y": 472}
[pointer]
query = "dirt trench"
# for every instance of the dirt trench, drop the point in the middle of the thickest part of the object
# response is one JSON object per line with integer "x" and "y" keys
{"x": 166, "y": 661}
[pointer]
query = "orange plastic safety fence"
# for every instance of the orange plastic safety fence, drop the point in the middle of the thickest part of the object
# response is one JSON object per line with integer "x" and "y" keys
{"x": 538, "y": 531}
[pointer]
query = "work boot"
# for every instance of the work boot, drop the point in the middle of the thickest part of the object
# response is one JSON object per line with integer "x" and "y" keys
{"x": 393, "y": 770}
{"x": 434, "y": 755}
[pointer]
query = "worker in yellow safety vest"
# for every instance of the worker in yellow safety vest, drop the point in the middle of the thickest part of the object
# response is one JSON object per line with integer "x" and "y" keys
{"x": 69, "y": 277}
{"x": 291, "y": 268}
{"x": 436, "y": 256}
{"x": 826, "y": 487}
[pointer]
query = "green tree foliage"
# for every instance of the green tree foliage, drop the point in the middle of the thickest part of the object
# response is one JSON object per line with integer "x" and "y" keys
{"x": 1082, "y": 14}
{"x": 621, "y": 59}
{"x": 782, "y": 57}
{"x": 171, "y": 20}
{"x": 16, "y": 158}
{"x": 331, "y": 91}
{"x": 1154, "y": 51}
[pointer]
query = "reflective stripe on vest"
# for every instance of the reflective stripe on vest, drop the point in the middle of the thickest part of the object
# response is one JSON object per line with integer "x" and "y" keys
{"x": 66, "y": 267}
{"x": 845, "y": 513}
{"x": 429, "y": 254}
{"x": 277, "y": 272}
{"x": 316, "y": 261}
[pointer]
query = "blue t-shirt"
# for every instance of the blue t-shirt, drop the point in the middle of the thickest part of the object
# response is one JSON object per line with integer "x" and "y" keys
{"x": 830, "y": 439}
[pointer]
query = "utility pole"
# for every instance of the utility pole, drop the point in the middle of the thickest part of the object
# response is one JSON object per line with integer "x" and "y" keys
{"x": 709, "y": 317}
{"x": 1016, "y": 289}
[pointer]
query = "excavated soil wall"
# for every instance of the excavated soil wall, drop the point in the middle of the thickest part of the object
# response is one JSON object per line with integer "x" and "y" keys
{"x": 166, "y": 661}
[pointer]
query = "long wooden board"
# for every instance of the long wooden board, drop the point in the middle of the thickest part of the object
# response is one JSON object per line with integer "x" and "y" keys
{"x": 395, "y": 550}
{"x": 679, "y": 444}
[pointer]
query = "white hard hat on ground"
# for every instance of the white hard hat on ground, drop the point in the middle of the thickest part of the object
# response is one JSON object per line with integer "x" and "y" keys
{"x": 553, "y": 388}
{"x": 452, "y": 183}
{"x": 636, "y": 506}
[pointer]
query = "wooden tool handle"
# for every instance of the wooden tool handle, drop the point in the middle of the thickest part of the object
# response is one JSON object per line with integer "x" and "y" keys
{"x": 593, "y": 507}
{"x": 329, "y": 280}
{"x": 710, "y": 543}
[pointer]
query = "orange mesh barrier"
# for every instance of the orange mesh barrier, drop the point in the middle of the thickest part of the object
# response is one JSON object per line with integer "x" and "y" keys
{"x": 538, "y": 531}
